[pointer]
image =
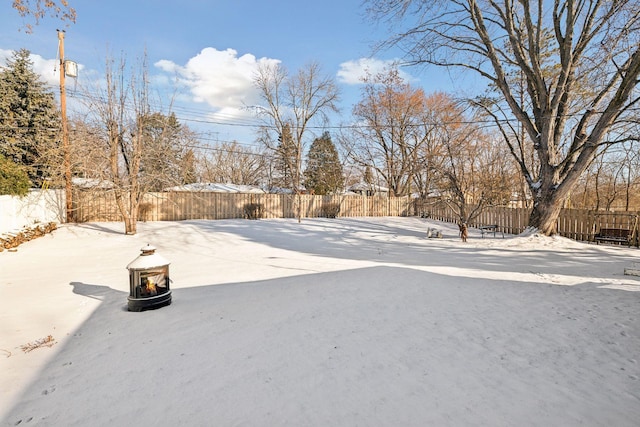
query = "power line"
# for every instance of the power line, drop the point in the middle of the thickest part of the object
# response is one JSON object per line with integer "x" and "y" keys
{"x": 199, "y": 116}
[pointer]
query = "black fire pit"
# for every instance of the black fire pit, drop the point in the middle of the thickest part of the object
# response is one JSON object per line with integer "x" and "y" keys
{"x": 148, "y": 281}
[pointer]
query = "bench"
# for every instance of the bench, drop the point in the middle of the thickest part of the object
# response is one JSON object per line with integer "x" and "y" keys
{"x": 486, "y": 229}
{"x": 613, "y": 235}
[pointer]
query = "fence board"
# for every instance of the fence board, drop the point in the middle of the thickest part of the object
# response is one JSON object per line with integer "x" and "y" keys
{"x": 576, "y": 224}
{"x": 176, "y": 206}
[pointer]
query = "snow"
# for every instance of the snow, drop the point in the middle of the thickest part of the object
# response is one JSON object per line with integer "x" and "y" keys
{"x": 217, "y": 188}
{"x": 342, "y": 322}
{"x": 92, "y": 183}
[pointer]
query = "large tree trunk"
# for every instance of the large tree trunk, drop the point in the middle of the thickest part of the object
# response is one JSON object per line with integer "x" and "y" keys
{"x": 544, "y": 215}
{"x": 549, "y": 200}
{"x": 124, "y": 203}
{"x": 131, "y": 218}
{"x": 131, "y": 225}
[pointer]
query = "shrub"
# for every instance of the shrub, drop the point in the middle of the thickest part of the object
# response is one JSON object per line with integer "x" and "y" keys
{"x": 253, "y": 210}
{"x": 330, "y": 210}
{"x": 14, "y": 180}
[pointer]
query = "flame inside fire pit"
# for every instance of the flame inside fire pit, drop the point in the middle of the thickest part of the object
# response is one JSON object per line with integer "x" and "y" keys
{"x": 153, "y": 283}
{"x": 151, "y": 287}
{"x": 149, "y": 281}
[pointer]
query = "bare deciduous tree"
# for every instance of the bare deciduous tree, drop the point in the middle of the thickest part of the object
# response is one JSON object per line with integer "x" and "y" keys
{"x": 473, "y": 173}
{"x": 430, "y": 155}
{"x": 613, "y": 175}
{"x": 232, "y": 163}
{"x": 388, "y": 133}
{"x": 125, "y": 137}
{"x": 142, "y": 150}
{"x": 579, "y": 60}
{"x": 38, "y": 9}
{"x": 295, "y": 102}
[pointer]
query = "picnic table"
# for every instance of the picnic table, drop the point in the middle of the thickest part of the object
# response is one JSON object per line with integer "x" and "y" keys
{"x": 486, "y": 229}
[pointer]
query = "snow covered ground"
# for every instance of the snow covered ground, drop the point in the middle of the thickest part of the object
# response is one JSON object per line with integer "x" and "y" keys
{"x": 331, "y": 322}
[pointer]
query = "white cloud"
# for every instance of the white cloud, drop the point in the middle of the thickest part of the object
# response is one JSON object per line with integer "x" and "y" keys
{"x": 4, "y": 55}
{"x": 222, "y": 79}
{"x": 353, "y": 72}
{"x": 48, "y": 69}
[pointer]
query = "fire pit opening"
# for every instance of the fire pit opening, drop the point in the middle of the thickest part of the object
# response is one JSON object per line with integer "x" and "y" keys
{"x": 148, "y": 281}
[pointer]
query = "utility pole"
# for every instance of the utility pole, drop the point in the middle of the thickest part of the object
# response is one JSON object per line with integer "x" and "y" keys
{"x": 65, "y": 132}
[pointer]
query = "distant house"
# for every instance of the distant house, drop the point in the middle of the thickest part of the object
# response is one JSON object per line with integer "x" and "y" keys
{"x": 91, "y": 183}
{"x": 364, "y": 189}
{"x": 211, "y": 187}
{"x": 282, "y": 190}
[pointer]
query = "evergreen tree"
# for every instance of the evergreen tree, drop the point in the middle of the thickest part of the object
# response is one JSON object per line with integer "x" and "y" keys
{"x": 29, "y": 117}
{"x": 324, "y": 173}
{"x": 160, "y": 165}
{"x": 286, "y": 163}
{"x": 188, "y": 170}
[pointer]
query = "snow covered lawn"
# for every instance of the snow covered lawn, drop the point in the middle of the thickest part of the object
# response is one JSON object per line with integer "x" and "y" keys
{"x": 332, "y": 322}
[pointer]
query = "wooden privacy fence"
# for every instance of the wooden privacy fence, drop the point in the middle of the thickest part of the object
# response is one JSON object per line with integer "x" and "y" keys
{"x": 508, "y": 220}
{"x": 576, "y": 224}
{"x": 177, "y": 206}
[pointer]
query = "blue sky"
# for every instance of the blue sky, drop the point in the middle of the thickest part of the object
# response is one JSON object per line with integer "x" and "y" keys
{"x": 212, "y": 49}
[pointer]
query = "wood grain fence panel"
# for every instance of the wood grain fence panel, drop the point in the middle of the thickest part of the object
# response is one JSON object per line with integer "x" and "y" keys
{"x": 172, "y": 206}
{"x": 168, "y": 207}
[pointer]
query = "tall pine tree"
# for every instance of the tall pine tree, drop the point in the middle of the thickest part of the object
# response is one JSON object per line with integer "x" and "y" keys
{"x": 164, "y": 139}
{"x": 286, "y": 159}
{"x": 324, "y": 173}
{"x": 29, "y": 117}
